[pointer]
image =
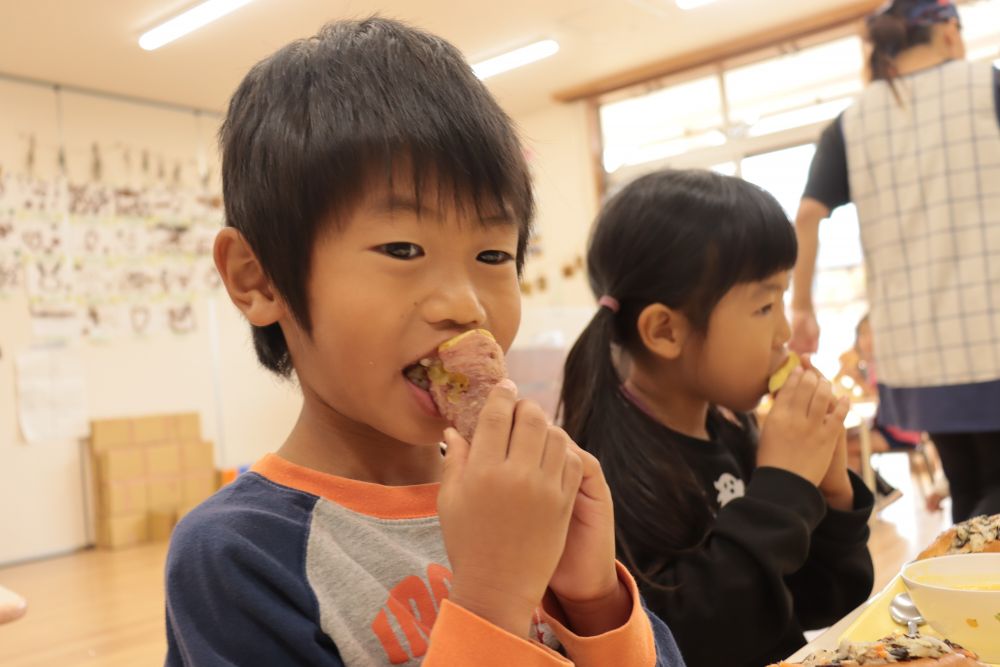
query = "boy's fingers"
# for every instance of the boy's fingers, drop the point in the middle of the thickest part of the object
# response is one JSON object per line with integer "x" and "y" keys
{"x": 572, "y": 473}
{"x": 556, "y": 446}
{"x": 492, "y": 436}
{"x": 593, "y": 484}
{"x": 455, "y": 456}
{"x": 527, "y": 438}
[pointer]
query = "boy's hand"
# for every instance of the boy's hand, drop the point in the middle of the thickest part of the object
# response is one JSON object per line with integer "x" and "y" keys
{"x": 836, "y": 485}
{"x": 505, "y": 506}
{"x": 586, "y": 580}
{"x": 802, "y": 428}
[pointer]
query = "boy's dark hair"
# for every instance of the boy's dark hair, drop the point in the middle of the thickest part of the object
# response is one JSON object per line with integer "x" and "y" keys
{"x": 683, "y": 239}
{"x": 313, "y": 128}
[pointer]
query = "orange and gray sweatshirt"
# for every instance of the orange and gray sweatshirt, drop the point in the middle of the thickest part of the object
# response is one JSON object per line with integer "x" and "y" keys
{"x": 290, "y": 566}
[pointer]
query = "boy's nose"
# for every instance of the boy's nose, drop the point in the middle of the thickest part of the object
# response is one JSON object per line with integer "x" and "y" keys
{"x": 455, "y": 303}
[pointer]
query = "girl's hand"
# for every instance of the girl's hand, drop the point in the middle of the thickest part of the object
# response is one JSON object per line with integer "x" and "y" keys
{"x": 836, "y": 485}
{"x": 505, "y": 507}
{"x": 586, "y": 580}
{"x": 802, "y": 428}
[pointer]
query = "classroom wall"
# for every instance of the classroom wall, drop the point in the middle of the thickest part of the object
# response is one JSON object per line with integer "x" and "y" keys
{"x": 244, "y": 410}
{"x": 558, "y": 144}
{"x": 211, "y": 371}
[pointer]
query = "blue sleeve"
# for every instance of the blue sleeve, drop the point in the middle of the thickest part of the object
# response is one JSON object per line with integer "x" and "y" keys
{"x": 236, "y": 589}
{"x": 667, "y": 652}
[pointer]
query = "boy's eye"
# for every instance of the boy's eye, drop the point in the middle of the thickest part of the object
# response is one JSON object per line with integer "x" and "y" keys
{"x": 401, "y": 250}
{"x": 494, "y": 257}
{"x": 766, "y": 310}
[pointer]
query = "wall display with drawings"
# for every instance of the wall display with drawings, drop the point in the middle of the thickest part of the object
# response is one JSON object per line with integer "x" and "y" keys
{"x": 101, "y": 262}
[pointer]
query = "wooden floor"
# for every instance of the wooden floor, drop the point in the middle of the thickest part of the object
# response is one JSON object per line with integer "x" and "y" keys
{"x": 105, "y": 608}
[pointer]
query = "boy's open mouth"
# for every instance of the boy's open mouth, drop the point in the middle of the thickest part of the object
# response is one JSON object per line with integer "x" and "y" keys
{"x": 418, "y": 373}
{"x": 430, "y": 371}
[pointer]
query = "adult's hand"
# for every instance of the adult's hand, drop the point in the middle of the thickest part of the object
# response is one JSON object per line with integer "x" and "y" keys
{"x": 805, "y": 331}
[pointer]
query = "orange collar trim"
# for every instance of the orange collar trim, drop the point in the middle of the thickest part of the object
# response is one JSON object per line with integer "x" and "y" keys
{"x": 383, "y": 502}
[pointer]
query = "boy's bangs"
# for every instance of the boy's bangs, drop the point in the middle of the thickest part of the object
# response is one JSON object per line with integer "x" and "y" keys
{"x": 311, "y": 127}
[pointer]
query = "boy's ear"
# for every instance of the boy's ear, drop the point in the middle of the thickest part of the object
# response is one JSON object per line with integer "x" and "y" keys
{"x": 244, "y": 278}
{"x": 663, "y": 330}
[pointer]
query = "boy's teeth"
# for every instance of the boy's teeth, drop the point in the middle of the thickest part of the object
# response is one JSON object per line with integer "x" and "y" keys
{"x": 418, "y": 375}
{"x": 426, "y": 363}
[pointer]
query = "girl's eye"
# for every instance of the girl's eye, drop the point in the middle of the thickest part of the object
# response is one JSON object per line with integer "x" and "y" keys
{"x": 494, "y": 257}
{"x": 401, "y": 250}
{"x": 766, "y": 310}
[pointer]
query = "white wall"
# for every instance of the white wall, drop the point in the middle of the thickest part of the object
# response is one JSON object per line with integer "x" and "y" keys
{"x": 558, "y": 140}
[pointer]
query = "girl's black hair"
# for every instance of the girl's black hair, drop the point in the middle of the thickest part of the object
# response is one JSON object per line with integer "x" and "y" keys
{"x": 683, "y": 239}
{"x": 321, "y": 122}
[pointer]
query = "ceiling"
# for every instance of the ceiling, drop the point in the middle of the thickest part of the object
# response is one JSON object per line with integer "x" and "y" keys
{"x": 94, "y": 44}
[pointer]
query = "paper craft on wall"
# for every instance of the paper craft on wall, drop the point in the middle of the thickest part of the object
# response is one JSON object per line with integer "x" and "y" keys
{"x": 103, "y": 262}
{"x": 51, "y": 395}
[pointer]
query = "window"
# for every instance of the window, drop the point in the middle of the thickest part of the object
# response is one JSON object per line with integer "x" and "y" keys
{"x": 668, "y": 122}
{"x": 787, "y": 85}
{"x": 758, "y": 118}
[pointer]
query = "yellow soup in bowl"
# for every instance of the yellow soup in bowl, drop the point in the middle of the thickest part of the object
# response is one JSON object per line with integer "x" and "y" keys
{"x": 959, "y": 596}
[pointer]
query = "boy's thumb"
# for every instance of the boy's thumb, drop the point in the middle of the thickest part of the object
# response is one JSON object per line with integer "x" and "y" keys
{"x": 456, "y": 455}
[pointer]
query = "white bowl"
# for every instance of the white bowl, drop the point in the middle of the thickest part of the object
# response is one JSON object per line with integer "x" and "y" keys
{"x": 941, "y": 589}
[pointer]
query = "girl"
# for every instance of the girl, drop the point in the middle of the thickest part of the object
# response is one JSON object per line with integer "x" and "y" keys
{"x": 739, "y": 541}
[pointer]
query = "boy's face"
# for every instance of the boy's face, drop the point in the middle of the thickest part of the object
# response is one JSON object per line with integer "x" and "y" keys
{"x": 745, "y": 343}
{"x": 386, "y": 288}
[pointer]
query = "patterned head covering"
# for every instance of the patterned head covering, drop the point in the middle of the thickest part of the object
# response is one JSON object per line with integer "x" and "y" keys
{"x": 921, "y": 12}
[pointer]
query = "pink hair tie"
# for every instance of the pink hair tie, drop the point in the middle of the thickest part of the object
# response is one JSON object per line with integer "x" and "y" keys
{"x": 609, "y": 302}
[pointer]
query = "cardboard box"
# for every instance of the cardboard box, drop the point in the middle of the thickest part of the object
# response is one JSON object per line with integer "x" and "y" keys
{"x": 122, "y": 531}
{"x": 151, "y": 430}
{"x": 122, "y": 497}
{"x": 163, "y": 460}
{"x": 107, "y": 434}
{"x": 149, "y": 471}
{"x": 197, "y": 456}
{"x": 121, "y": 464}
{"x": 161, "y": 524}
{"x": 163, "y": 493}
{"x": 187, "y": 426}
{"x": 196, "y": 487}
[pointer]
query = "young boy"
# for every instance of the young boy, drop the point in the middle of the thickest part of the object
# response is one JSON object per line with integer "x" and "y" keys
{"x": 377, "y": 204}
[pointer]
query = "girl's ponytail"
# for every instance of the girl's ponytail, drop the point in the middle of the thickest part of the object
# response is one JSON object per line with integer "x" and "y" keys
{"x": 659, "y": 508}
{"x": 589, "y": 374}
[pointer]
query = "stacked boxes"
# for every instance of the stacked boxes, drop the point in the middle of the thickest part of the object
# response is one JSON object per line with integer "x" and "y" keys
{"x": 149, "y": 472}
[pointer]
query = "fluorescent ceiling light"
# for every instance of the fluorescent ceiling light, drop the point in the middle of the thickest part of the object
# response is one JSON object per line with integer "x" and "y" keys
{"x": 691, "y": 4}
{"x": 516, "y": 58}
{"x": 189, "y": 21}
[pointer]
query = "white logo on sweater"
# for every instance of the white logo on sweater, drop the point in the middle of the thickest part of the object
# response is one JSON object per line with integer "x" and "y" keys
{"x": 730, "y": 488}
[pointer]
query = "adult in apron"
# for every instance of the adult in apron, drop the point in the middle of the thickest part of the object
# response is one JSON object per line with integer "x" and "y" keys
{"x": 918, "y": 153}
